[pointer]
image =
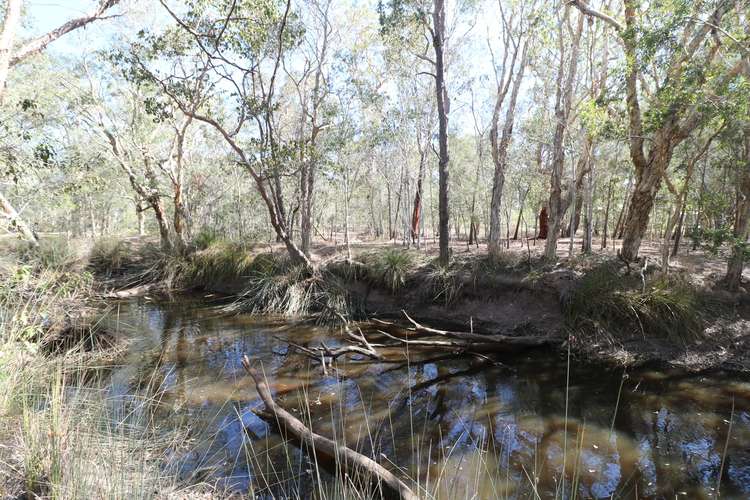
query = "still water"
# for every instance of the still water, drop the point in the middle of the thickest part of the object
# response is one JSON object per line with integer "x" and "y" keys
{"x": 530, "y": 426}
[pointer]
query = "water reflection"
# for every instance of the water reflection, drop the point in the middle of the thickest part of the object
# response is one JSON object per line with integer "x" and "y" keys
{"x": 461, "y": 428}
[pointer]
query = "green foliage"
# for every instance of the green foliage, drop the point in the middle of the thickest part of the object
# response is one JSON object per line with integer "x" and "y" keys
{"x": 617, "y": 303}
{"x": 714, "y": 240}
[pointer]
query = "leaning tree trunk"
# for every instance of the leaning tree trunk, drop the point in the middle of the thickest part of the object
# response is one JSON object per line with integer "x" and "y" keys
{"x": 647, "y": 184}
{"x": 16, "y": 222}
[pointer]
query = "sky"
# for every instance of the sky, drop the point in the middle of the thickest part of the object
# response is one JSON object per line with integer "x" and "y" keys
{"x": 44, "y": 15}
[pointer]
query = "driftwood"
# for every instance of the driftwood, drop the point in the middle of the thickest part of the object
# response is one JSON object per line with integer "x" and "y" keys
{"x": 469, "y": 341}
{"x": 136, "y": 291}
{"x": 346, "y": 458}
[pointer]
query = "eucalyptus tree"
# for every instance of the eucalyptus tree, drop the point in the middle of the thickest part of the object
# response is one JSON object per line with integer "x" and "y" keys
{"x": 516, "y": 38}
{"x": 222, "y": 64}
{"x": 674, "y": 63}
{"x": 12, "y": 54}
{"x": 566, "y": 76}
{"x": 312, "y": 86}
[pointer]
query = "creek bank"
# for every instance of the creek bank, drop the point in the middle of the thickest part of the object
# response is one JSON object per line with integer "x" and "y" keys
{"x": 607, "y": 314}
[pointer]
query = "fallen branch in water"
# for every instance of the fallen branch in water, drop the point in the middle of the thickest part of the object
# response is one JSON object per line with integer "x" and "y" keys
{"x": 346, "y": 458}
{"x": 136, "y": 291}
{"x": 468, "y": 341}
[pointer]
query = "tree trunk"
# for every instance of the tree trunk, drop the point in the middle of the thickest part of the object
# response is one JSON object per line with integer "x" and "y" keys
{"x": 417, "y": 212}
{"x": 736, "y": 262}
{"x": 589, "y": 229}
{"x": 647, "y": 183}
{"x": 563, "y": 103}
{"x": 139, "y": 216}
{"x": 16, "y": 222}
{"x": 441, "y": 93}
{"x": 500, "y": 148}
{"x": 678, "y": 232}
{"x": 606, "y": 214}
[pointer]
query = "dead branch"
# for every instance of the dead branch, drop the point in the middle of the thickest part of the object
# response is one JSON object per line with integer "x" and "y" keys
{"x": 346, "y": 458}
{"x": 474, "y": 341}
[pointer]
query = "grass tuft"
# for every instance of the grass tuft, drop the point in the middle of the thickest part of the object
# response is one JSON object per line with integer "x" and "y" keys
{"x": 390, "y": 268}
{"x": 607, "y": 299}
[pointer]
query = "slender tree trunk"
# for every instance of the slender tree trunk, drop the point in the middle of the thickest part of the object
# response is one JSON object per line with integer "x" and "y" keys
{"x": 438, "y": 41}
{"x": 589, "y": 229}
{"x": 139, "y": 216}
{"x": 417, "y": 212}
{"x": 678, "y": 232}
{"x": 606, "y": 214}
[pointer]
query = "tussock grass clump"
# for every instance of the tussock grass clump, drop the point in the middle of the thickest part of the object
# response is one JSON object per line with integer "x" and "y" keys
{"x": 391, "y": 268}
{"x": 275, "y": 284}
{"x": 108, "y": 255}
{"x": 53, "y": 252}
{"x": 619, "y": 303}
{"x": 219, "y": 262}
{"x": 444, "y": 283}
{"x": 205, "y": 238}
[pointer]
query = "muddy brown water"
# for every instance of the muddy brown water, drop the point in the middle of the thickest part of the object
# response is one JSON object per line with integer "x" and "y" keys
{"x": 535, "y": 426}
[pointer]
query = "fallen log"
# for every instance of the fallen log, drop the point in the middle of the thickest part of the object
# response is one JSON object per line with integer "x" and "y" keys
{"x": 468, "y": 340}
{"x": 346, "y": 458}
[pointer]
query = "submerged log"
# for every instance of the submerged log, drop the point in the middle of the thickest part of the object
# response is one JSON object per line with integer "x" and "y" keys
{"x": 346, "y": 458}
